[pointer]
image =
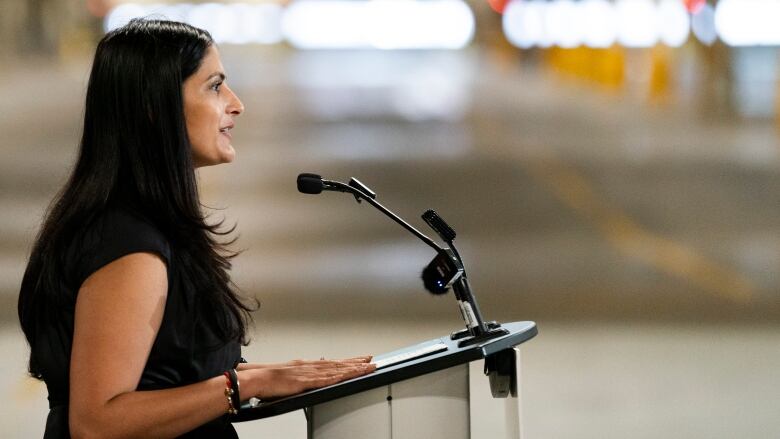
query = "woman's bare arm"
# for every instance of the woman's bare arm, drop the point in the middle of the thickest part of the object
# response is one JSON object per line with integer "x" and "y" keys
{"x": 118, "y": 313}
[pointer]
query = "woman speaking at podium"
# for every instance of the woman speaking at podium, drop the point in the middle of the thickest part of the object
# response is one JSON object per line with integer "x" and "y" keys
{"x": 126, "y": 302}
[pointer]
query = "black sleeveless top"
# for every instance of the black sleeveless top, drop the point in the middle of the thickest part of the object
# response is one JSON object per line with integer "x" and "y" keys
{"x": 184, "y": 352}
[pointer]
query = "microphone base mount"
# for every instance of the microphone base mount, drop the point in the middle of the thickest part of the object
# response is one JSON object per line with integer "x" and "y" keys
{"x": 466, "y": 339}
{"x": 463, "y": 333}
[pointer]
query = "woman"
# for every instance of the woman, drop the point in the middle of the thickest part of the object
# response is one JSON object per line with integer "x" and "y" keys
{"x": 126, "y": 301}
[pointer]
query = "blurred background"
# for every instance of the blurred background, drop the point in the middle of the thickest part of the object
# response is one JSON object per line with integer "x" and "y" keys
{"x": 612, "y": 169}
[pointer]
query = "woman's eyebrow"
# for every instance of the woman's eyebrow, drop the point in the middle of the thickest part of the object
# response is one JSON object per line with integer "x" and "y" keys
{"x": 220, "y": 74}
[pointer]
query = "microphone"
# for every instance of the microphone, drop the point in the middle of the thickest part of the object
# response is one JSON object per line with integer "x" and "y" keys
{"x": 314, "y": 184}
{"x": 310, "y": 184}
{"x": 438, "y": 225}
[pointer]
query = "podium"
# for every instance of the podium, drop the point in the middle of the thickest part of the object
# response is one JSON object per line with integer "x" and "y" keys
{"x": 421, "y": 391}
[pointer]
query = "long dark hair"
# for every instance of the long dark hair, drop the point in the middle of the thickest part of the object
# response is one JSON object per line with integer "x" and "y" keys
{"x": 134, "y": 151}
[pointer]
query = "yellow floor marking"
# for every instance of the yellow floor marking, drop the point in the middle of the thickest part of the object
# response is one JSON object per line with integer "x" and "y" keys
{"x": 631, "y": 239}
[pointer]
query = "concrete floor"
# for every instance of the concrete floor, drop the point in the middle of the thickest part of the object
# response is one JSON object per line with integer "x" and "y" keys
{"x": 644, "y": 242}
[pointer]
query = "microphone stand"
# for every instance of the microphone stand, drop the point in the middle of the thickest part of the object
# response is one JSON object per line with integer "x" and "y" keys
{"x": 476, "y": 326}
{"x": 477, "y": 330}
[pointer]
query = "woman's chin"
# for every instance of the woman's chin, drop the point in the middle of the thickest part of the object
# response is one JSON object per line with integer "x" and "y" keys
{"x": 228, "y": 155}
{"x": 225, "y": 154}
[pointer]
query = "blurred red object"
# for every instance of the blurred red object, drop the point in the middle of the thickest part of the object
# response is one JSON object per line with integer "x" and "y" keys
{"x": 498, "y": 5}
{"x": 694, "y": 6}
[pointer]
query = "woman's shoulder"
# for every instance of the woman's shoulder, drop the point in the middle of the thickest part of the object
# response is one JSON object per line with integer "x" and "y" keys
{"x": 118, "y": 231}
{"x": 120, "y": 221}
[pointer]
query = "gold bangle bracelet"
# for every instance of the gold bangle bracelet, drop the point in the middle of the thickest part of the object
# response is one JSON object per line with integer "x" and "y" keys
{"x": 231, "y": 410}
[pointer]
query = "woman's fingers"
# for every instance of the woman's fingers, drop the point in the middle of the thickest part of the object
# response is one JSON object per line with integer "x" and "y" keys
{"x": 322, "y": 360}
{"x": 345, "y": 372}
{"x": 341, "y": 367}
{"x": 353, "y": 360}
{"x": 326, "y": 362}
{"x": 333, "y": 373}
{"x": 362, "y": 359}
{"x": 296, "y": 377}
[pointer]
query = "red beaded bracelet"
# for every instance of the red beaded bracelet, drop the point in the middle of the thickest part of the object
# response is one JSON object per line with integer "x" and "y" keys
{"x": 229, "y": 395}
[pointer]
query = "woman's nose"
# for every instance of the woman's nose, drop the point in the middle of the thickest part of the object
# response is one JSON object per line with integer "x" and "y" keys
{"x": 236, "y": 107}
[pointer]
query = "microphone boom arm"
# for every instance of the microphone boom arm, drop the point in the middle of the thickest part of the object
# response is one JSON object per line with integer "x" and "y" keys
{"x": 359, "y": 195}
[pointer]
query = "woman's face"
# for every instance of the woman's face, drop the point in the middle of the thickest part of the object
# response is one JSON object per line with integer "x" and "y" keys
{"x": 209, "y": 108}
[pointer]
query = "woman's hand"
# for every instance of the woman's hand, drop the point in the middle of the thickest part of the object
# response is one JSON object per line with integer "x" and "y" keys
{"x": 266, "y": 381}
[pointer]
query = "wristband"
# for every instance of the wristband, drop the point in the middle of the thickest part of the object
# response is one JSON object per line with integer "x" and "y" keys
{"x": 229, "y": 393}
{"x": 236, "y": 388}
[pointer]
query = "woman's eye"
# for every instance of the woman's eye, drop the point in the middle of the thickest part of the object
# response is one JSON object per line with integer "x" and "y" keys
{"x": 216, "y": 86}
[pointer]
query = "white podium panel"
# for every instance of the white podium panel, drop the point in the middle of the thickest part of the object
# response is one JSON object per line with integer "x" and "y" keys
{"x": 363, "y": 415}
{"x": 439, "y": 405}
{"x": 513, "y": 407}
{"x": 492, "y": 417}
{"x": 433, "y": 406}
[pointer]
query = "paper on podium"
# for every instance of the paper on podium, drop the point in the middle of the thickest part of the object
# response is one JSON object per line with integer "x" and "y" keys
{"x": 409, "y": 353}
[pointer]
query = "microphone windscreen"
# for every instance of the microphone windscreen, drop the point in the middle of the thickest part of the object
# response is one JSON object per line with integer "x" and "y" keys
{"x": 310, "y": 183}
{"x": 437, "y": 223}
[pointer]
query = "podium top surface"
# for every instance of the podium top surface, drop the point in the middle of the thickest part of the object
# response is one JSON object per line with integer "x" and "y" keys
{"x": 519, "y": 332}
